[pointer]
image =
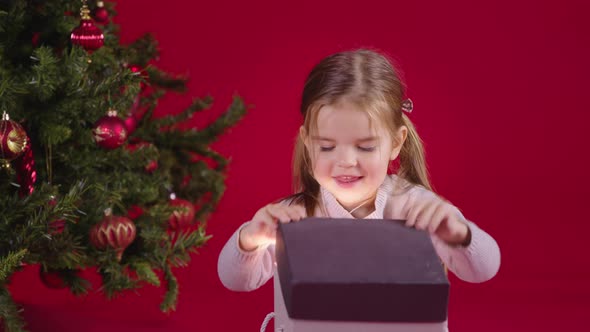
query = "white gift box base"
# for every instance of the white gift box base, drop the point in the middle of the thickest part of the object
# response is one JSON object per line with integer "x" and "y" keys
{"x": 285, "y": 324}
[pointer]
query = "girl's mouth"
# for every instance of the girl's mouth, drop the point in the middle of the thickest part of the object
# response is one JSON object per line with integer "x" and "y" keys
{"x": 347, "y": 181}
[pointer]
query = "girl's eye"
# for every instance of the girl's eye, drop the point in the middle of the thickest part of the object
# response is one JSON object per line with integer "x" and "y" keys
{"x": 367, "y": 149}
{"x": 326, "y": 148}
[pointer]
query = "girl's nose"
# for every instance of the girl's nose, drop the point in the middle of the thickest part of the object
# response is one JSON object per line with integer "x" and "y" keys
{"x": 346, "y": 158}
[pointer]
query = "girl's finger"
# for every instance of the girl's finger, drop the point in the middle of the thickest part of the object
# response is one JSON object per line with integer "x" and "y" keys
{"x": 298, "y": 212}
{"x": 424, "y": 218}
{"x": 292, "y": 213}
{"x": 411, "y": 218}
{"x": 440, "y": 215}
{"x": 437, "y": 219}
{"x": 279, "y": 213}
{"x": 301, "y": 211}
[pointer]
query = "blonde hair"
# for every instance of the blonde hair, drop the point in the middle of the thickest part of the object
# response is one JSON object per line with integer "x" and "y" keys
{"x": 369, "y": 80}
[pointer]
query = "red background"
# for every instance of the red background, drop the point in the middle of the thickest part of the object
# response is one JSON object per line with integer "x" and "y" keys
{"x": 499, "y": 89}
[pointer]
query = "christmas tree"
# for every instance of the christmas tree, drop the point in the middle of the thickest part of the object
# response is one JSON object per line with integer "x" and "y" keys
{"x": 89, "y": 178}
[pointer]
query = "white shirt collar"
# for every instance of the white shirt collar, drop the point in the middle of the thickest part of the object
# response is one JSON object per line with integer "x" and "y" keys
{"x": 333, "y": 209}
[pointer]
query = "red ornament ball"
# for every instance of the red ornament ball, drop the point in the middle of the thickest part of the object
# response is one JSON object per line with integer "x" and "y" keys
{"x": 57, "y": 226}
{"x": 51, "y": 279}
{"x": 130, "y": 123}
{"x": 100, "y": 14}
{"x": 13, "y": 140}
{"x": 116, "y": 232}
{"x": 136, "y": 69}
{"x": 151, "y": 165}
{"x": 135, "y": 115}
{"x": 87, "y": 35}
{"x": 35, "y": 39}
{"x": 134, "y": 212}
{"x": 183, "y": 214}
{"x": 110, "y": 131}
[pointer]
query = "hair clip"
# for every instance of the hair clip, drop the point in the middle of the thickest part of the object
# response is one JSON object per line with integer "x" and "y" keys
{"x": 407, "y": 105}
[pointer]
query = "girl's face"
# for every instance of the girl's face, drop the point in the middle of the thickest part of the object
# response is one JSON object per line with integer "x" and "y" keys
{"x": 350, "y": 155}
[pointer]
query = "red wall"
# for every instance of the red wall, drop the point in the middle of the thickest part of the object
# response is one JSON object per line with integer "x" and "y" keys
{"x": 499, "y": 89}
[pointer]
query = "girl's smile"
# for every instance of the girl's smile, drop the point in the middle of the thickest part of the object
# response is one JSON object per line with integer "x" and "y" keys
{"x": 347, "y": 181}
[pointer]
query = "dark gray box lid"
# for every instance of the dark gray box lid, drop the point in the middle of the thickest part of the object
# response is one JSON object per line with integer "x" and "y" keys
{"x": 360, "y": 270}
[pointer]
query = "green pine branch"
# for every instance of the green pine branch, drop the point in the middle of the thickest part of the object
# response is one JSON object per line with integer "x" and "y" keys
{"x": 9, "y": 263}
{"x": 165, "y": 80}
{"x": 116, "y": 278}
{"x": 145, "y": 47}
{"x": 45, "y": 73}
{"x": 10, "y": 313}
{"x": 146, "y": 273}
{"x": 195, "y": 138}
{"x": 171, "y": 296}
{"x": 185, "y": 243}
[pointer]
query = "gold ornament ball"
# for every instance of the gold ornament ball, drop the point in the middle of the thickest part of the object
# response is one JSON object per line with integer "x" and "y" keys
{"x": 13, "y": 140}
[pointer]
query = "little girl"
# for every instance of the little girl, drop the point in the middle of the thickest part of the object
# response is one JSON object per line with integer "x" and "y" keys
{"x": 354, "y": 127}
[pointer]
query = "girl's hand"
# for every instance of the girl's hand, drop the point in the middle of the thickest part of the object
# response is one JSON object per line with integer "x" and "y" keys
{"x": 262, "y": 229}
{"x": 440, "y": 218}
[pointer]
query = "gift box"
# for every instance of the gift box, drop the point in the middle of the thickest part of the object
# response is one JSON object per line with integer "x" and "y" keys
{"x": 363, "y": 270}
